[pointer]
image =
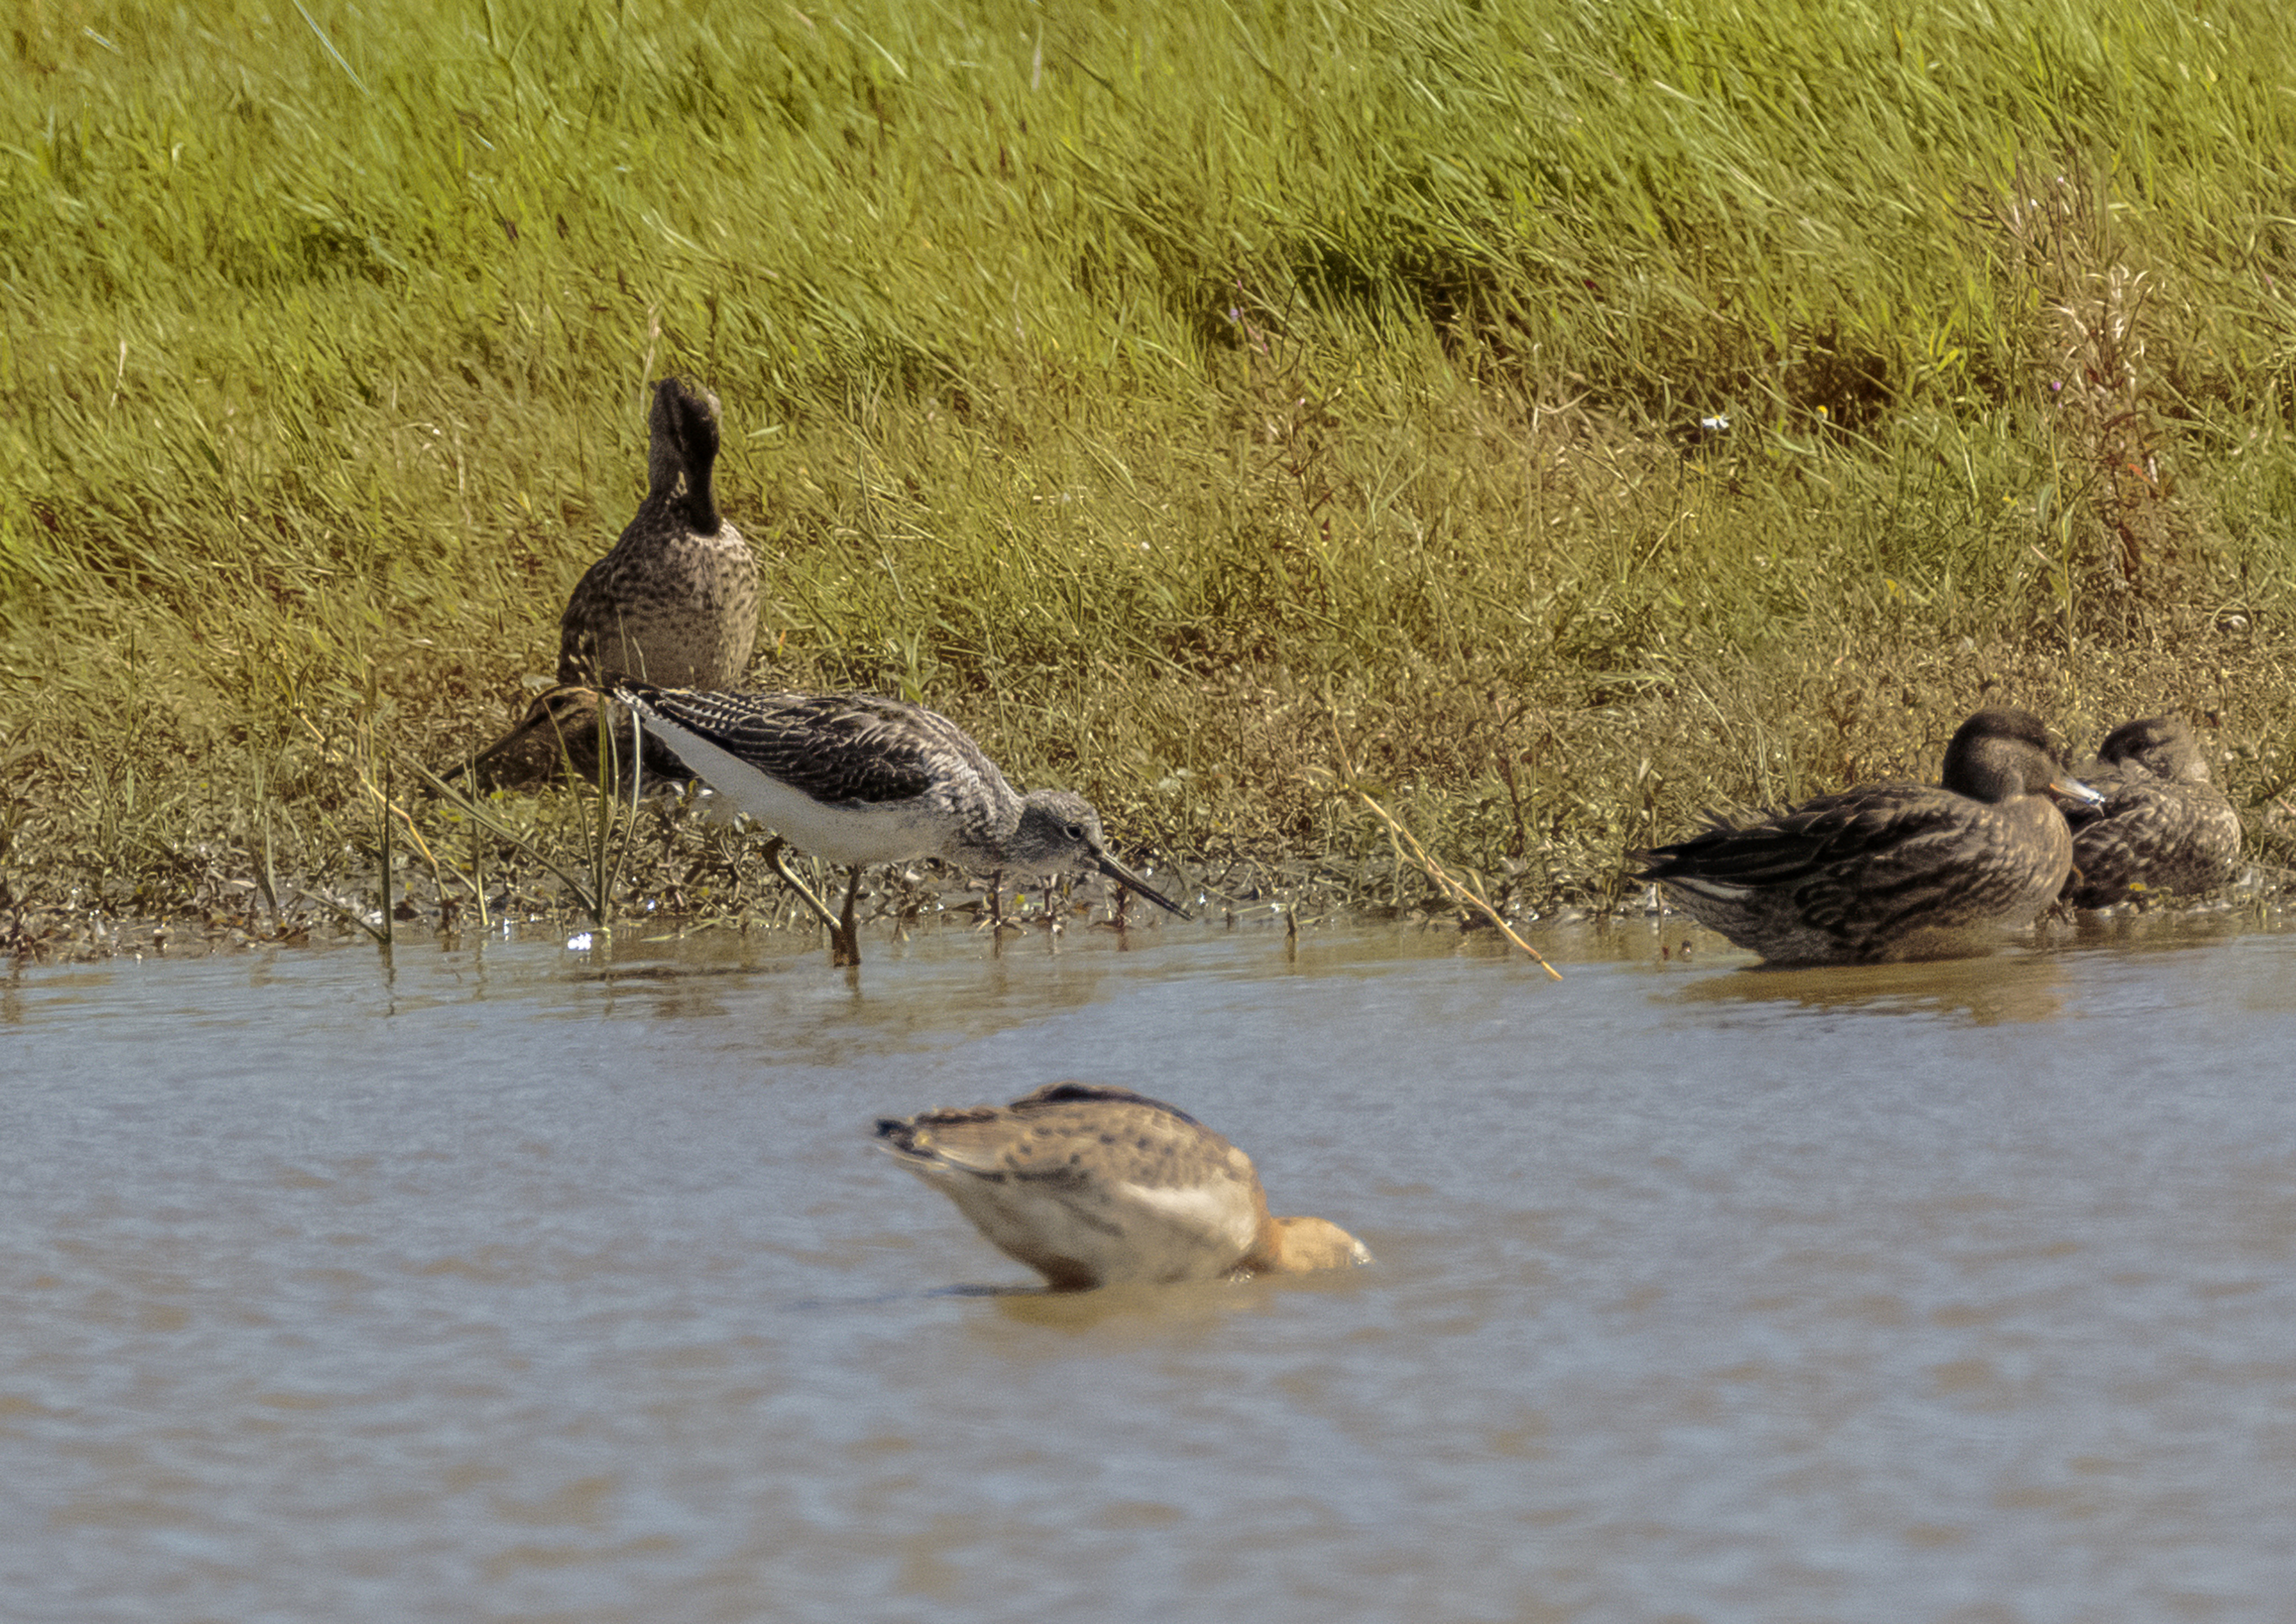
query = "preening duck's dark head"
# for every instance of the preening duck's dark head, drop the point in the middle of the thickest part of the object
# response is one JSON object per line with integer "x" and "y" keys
{"x": 2000, "y": 755}
{"x": 683, "y": 442}
{"x": 2162, "y": 745}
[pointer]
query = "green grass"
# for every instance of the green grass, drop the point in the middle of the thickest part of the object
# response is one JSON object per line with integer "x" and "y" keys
{"x": 1177, "y": 402}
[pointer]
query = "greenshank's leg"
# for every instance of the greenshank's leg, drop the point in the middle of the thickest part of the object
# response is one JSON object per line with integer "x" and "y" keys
{"x": 845, "y": 947}
{"x": 774, "y": 850}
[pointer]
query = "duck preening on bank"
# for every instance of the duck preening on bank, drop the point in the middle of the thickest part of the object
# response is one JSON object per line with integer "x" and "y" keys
{"x": 674, "y": 602}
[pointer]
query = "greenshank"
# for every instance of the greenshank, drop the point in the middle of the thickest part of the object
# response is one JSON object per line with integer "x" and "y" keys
{"x": 859, "y": 779}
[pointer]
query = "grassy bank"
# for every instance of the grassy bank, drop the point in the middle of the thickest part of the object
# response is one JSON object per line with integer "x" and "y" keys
{"x": 1197, "y": 409}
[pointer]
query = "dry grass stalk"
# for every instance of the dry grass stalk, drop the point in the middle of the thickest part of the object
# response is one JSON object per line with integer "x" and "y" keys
{"x": 1468, "y": 893}
{"x": 2126, "y": 540}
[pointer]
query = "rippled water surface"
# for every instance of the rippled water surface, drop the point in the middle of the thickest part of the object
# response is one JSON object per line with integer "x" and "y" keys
{"x": 511, "y": 1282}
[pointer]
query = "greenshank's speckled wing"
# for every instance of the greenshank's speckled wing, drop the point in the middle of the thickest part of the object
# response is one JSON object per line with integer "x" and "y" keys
{"x": 838, "y": 749}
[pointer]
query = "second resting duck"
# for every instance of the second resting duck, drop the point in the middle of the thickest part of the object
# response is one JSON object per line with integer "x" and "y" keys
{"x": 2162, "y": 826}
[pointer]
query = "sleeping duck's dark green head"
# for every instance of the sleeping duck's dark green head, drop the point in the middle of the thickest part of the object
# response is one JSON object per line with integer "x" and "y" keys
{"x": 1999, "y": 755}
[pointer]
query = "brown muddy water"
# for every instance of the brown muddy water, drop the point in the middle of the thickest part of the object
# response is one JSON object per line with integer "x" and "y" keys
{"x": 511, "y": 1282}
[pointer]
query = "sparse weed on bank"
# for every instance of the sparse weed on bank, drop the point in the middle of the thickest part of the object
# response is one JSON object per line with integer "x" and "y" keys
{"x": 1175, "y": 403}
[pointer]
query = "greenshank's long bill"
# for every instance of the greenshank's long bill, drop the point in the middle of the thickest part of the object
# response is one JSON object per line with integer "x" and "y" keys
{"x": 858, "y": 779}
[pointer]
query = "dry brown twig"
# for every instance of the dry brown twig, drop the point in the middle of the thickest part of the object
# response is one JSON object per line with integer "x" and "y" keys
{"x": 1463, "y": 891}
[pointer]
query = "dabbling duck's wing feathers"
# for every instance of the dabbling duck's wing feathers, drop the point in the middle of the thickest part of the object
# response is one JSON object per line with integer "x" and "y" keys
{"x": 1111, "y": 1129}
{"x": 1786, "y": 847}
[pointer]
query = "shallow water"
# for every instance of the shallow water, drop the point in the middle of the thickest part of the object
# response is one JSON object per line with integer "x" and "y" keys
{"x": 519, "y": 1283}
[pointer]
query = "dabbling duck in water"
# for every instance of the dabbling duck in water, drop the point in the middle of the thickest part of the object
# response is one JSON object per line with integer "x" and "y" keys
{"x": 2162, "y": 826}
{"x": 1092, "y": 1186}
{"x": 1890, "y": 871}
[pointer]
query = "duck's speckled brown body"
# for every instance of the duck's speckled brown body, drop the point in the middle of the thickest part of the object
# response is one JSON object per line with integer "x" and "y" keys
{"x": 1093, "y": 1186}
{"x": 1890, "y": 871}
{"x": 2163, "y": 826}
{"x": 674, "y": 602}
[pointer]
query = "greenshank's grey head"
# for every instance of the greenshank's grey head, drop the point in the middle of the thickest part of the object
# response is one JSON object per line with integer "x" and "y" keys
{"x": 1060, "y": 834}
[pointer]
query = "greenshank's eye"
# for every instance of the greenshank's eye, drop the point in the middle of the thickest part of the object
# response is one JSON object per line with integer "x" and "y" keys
{"x": 1075, "y": 832}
